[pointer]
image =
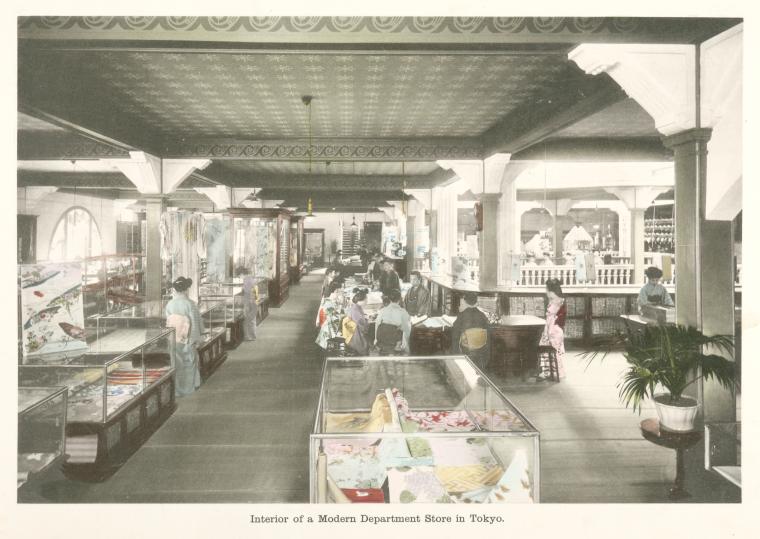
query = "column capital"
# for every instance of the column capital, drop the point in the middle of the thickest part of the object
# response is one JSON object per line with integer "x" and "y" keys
{"x": 480, "y": 175}
{"x": 698, "y": 135}
{"x": 661, "y": 78}
{"x": 489, "y": 197}
{"x": 220, "y": 195}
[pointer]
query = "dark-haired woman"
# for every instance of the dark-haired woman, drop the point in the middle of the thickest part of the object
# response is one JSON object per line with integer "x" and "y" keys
{"x": 554, "y": 330}
{"x": 358, "y": 330}
{"x": 182, "y": 314}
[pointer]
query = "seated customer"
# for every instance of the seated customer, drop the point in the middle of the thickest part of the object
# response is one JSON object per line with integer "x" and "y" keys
{"x": 417, "y": 299}
{"x": 355, "y": 325}
{"x": 469, "y": 318}
{"x": 330, "y": 274}
{"x": 653, "y": 293}
{"x": 393, "y": 326}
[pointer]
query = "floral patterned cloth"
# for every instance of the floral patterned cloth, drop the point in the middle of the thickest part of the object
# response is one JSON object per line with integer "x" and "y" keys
{"x": 416, "y": 485}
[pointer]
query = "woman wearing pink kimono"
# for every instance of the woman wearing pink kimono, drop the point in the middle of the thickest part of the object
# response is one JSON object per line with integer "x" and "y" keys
{"x": 554, "y": 331}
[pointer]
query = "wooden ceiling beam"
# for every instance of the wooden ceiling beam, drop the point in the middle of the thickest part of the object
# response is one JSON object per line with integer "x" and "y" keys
{"x": 537, "y": 122}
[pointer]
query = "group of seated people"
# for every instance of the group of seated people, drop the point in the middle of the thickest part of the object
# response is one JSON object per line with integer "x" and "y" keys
{"x": 345, "y": 317}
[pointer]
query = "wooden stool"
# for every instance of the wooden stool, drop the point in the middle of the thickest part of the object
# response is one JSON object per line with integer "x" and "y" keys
{"x": 551, "y": 357}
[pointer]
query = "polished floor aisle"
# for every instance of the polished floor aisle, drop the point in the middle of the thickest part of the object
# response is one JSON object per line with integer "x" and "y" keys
{"x": 243, "y": 437}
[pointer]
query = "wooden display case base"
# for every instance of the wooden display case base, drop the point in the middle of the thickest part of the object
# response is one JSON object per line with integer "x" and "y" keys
{"x": 234, "y": 333}
{"x": 211, "y": 354}
{"x": 116, "y": 440}
{"x": 262, "y": 311}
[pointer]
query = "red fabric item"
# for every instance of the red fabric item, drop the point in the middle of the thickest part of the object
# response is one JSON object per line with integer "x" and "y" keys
{"x": 561, "y": 315}
{"x": 364, "y": 495}
{"x": 322, "y": 317}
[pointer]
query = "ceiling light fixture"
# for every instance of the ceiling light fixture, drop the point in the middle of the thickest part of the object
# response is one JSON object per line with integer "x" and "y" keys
{"x": 354, "y": 226}
{"x": 306, "y": 100}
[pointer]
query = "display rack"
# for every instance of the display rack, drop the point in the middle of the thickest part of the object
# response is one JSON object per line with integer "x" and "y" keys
{"x": 111, "y": 282}
{"x": 262, "y": 245}
{"x": 41, "y": 431}
{"x": 297, "y": 265}
{"x": 119, "y": 391}
{"x": 419, "y": 429}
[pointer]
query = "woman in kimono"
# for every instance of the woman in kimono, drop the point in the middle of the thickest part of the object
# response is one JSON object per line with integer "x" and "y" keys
{"x": 358, "y": 341}
{"x": 250, "y": 306}
{"x": 182, "y": 314}
{"x": 330, "y": 314}
{"x": 554, "y": 330}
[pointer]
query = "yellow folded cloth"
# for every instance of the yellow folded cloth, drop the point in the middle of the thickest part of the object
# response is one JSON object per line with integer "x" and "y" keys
{"x": 467, "y": 478}
{"x": 375, "y": 421}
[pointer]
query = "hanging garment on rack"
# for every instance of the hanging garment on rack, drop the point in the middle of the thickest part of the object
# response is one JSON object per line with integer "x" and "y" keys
{"x": 580, "y": 269}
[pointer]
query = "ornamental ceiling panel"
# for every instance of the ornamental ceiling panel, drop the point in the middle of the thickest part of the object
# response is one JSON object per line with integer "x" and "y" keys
{"x": 195, "y": 94}
{"x": 357, "y": 168}
{"x": 623, "y": 119}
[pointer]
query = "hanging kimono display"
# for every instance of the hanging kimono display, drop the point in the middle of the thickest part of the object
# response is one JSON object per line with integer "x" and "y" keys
{"x": 217, "y": 228}
{"x": 512, "y": 268}
{"x": 183, "y": 243}
{"x": 590, "y": 267}
{"x": 52, "y": 313}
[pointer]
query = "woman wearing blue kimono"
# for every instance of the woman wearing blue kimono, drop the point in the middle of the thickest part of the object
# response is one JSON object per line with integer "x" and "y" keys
{"x": 182, "y": 314}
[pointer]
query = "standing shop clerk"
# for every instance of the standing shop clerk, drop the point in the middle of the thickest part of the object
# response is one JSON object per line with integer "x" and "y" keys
{"x": 182, "y": 314}
{"x": 389, "y": 279}
{"x": 653, "y": 293}
{"x": 417, "y": 299}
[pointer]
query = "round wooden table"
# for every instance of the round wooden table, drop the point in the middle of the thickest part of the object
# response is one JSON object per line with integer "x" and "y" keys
{"x": 680, "y": 441}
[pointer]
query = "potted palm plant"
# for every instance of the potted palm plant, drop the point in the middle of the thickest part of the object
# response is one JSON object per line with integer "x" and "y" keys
{"x": 670, "y": 357}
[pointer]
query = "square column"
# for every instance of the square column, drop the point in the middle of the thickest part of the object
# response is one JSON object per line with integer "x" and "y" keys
{"x": 704, "y": 258}
{"x": 154, "y": 206}
{"x": 489, "y": 240}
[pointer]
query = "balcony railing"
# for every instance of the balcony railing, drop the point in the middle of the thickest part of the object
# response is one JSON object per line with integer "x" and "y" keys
{"x": 606, "y": 275}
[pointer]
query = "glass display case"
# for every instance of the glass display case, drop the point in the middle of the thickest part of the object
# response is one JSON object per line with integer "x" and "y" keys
{"x": 151, "y": 315}
{"x": 119, "y": 389}
{"x": 723, "y": 450}
{"x": 261, "y": 247}
{"x": 231, "y": 294}
{"x": 419, "y": 429}
{"x": 110, "y": 282}
{"x": 41, "y": 429}
{"x": 211, "y": 352}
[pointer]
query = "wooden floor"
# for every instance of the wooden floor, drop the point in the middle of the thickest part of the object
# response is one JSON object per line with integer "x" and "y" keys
{"x": 243, "y": 437}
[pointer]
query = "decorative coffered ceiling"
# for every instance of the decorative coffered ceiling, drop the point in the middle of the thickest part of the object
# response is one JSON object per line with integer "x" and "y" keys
{"x": 213, "y": 95}
{"x": 391, "y": 95}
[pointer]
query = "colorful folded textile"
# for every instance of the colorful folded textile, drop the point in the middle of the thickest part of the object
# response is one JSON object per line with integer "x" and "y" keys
{"x": 416, "y": 485}
{"x": 443, "y": 421}
{"x": 499, "y": 420}
{"x": 467, "y": 478}
{"x": 514, "y": 485}
{"x": 461, "y": 452}
{"x": 364, "y": 495}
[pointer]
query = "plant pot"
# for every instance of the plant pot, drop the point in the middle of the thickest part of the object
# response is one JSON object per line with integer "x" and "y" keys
{"x": 678, "y": 416}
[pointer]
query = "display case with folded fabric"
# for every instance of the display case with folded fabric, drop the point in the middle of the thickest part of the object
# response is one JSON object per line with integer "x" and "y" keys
{"x": 120, "y": 388}
{"x": 231, "y": 295}
{"x": 419, "y": 429}
{"x": 211, "y": 351}
{"x": 41, "y": 430}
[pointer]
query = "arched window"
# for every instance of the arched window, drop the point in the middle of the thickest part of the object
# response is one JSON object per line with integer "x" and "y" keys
{"x": 76, "y": 236}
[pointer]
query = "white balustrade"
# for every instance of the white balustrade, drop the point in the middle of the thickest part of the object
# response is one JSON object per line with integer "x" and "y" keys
{"x": 606, "y": 275}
